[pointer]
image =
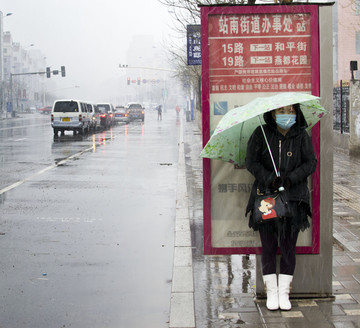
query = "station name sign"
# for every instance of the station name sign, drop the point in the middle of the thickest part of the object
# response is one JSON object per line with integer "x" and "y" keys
{"x": 260, "y": 52}
{"x": 193, "y": 44}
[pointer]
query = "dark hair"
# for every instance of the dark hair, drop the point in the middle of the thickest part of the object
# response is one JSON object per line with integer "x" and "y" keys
{"x": 297, "y": 107}
{"x": 300, "y": 120}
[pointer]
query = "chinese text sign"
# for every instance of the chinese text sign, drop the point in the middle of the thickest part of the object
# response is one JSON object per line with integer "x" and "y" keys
{"x": 249, "y": 52}
{"x": 193, "y": 45}
{"x": 260, "y": 53}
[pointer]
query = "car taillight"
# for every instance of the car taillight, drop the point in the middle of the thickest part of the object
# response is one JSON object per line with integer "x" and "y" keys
{"x": 52, "y": 118}
{"x": 103, "y": 115}
{"x": 80, "y": 118}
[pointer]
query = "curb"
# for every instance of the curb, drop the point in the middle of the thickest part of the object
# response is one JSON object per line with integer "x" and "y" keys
{"x": 182, "y": 312}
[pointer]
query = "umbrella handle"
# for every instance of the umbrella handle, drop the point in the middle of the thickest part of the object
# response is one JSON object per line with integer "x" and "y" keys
{"x": 268, "y": 146}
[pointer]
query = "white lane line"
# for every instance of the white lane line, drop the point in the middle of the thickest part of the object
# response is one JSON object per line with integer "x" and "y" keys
{"x": 24, "y": 126}
{"x": 18, "y": 183}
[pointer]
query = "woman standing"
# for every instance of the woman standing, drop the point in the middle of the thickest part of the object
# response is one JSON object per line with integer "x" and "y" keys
{"x": 295, "y": 160}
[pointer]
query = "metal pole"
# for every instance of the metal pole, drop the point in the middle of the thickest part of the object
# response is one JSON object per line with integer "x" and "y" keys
{"x": 341, "y": 107}
{"x": 11, "y": 95}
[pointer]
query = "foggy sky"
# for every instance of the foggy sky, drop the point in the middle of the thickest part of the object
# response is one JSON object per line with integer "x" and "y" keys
{"x": 89, "y": 37}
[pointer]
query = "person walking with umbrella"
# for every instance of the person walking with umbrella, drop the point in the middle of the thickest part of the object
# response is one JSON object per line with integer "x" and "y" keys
{"x": 284, "y": 132}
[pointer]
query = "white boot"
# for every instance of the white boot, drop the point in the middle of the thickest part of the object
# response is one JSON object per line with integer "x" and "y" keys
{"x": 270, "y": 281}
{"x": 284, "y": 290}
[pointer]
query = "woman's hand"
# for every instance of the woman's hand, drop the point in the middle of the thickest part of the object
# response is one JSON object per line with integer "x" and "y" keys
{"x": 281, "y": 182}
{"x": 277, "y": 183}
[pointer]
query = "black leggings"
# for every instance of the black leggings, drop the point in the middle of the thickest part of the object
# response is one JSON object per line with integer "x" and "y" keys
{"x": 269, "y": 242}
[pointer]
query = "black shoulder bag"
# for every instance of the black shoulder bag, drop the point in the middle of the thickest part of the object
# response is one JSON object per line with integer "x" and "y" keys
{"x": 270, "y": 206}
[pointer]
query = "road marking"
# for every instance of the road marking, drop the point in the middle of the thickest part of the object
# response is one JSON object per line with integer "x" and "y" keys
{"x": 69, "y": 219}
{"x": 23, "y": 126}
{"x": 18, "y": 183}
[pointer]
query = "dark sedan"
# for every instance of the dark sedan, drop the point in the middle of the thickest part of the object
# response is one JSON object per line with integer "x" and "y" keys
{"x": 136, "y": 112}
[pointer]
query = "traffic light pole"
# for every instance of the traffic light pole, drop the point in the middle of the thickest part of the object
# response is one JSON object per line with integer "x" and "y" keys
{"x": 164, "y": 92}
{"x": 47, "y": 72}
{"x": 151, "y": 68}
{"x": 11, "y": 87}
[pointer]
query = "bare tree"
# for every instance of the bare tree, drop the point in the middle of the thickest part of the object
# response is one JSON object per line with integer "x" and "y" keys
{"x": 187, "y": 12}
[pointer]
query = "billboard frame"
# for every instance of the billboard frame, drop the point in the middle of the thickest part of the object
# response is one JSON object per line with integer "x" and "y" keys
{"x": 206, "y": 11}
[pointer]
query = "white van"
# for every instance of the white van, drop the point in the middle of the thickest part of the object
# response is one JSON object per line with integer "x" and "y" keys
{"x": 70, "y": 115}
{"x": 94, "y": 114}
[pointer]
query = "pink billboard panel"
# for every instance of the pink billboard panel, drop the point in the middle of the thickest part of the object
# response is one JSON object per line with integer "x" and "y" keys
{"x": 259, "y": 53}
{"x": 249, "y": 52}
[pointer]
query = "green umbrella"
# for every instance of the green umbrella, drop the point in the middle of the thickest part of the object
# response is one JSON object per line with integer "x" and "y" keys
{"x": 229, "y": 140}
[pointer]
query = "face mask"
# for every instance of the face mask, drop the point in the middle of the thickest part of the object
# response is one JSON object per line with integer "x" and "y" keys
{"x": 285, "y": 121}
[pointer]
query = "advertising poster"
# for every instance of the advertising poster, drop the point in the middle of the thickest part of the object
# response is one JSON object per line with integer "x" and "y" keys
{"x": 249, "y": 52}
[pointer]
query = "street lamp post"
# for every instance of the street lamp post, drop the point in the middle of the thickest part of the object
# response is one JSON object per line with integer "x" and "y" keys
{"x": 2, "y": 81}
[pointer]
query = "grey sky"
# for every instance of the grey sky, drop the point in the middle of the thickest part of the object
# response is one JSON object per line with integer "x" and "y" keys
{"x": 89, "y": 37}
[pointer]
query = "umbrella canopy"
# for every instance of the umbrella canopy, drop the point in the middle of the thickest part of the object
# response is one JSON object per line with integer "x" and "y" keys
{"x": 229, "y": 140}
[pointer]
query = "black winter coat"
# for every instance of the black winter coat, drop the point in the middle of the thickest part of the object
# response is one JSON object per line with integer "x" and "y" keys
{"x": 298, "y": 161}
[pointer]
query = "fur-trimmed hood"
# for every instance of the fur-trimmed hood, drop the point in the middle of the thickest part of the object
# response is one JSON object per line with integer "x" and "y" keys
{"x": 300, "y": 119}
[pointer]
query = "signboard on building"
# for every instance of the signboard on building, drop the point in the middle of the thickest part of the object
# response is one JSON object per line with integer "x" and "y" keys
{"x": 247, "y": 52}
{"x": 193, "y": 45}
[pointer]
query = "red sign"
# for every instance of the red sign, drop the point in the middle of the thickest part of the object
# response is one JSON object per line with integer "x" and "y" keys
{"x": 247, "y": 52}
{"x": 259, "y": 52}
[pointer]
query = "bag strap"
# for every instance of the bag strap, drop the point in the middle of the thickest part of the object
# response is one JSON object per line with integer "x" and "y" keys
{"x": 269, "y": 149}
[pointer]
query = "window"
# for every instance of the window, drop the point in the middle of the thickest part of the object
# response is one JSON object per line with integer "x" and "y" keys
{"x": 66, "y": 107}
{"x": 357, "y": 43}
{"x": 357, "y": 7}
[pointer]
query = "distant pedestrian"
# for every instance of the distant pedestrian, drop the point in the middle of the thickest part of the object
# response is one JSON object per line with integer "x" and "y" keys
{"x": 159, "y": 109}
{"x": 177, "y": 108}
{"x": 294, "y": 156}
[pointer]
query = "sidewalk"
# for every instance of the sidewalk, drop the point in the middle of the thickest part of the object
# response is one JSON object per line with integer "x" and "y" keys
{"x": 224, "y": 285}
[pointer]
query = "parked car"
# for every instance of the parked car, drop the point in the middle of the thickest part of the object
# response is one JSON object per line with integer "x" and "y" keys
{"x": 94, "y": 116}
{"x": 69, "y": 114}
{"x": 135, "y": 111}
{"x": 45, "y": 110}
{"x": 106, "y": 114}
{"x": 121, "y": 115}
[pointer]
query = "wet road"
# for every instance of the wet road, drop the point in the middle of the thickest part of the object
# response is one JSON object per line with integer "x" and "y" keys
{"x": 222, "y": 282}
{"x": 86, "y": 226}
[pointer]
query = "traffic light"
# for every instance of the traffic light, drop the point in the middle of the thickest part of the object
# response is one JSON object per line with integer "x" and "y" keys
{"x": 128, "y": 81}
{"x": 62, "y": 71}
{"x": 48, "y": 73}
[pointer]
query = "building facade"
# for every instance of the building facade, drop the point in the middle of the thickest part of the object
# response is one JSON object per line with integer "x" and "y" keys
{"x": 25, "y": 92}
{"x": 346, "y": 39}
